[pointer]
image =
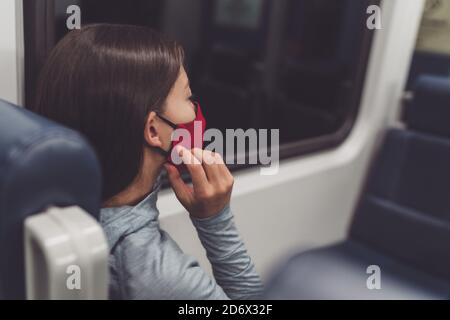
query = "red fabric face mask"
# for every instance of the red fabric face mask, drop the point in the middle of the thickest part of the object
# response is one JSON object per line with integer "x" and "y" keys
{"x": 196, "y": 129}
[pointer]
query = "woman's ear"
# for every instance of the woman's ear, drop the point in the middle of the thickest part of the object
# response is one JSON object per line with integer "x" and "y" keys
{"x": 153, "y": 131}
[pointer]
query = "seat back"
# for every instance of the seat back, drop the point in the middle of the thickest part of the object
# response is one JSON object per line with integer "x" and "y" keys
{"x": 405, "y": 210}
{"x": 42, "y": 165}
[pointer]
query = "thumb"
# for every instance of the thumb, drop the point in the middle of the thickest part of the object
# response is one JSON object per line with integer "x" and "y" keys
{"x": 182, "y": 191}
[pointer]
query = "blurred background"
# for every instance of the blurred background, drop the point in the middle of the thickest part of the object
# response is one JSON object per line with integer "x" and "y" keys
{"x": 310, "y": 68}
{"x": 296, "y": 65}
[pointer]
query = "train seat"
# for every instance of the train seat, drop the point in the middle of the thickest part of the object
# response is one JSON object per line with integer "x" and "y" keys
{"x": 50, "y": 188}
{"x": 400, "y": 233}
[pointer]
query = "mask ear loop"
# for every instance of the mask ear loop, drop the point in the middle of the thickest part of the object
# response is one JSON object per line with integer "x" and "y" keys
{"x": 161, "y": 151}
{"x": 174, "y": 126}
{"x": 170, "y": 123}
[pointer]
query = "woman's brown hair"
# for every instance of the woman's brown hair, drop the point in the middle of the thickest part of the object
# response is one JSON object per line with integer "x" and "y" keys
{"x": 103, "y": 80}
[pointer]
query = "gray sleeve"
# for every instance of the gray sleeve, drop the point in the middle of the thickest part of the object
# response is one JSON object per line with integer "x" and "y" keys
{"x": 152, "y": 266}
{"x": 149, "y": 264}
{"x": 232, "y": 267}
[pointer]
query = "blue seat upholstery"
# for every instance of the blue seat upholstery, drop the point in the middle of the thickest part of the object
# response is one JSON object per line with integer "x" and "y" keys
{"x": 42, "y": 164}
{"x": 429, "y": 63}
{"x": 402, "y": 223}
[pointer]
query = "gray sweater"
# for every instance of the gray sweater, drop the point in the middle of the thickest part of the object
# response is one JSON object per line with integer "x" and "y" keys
{"x": 146, "y": 263}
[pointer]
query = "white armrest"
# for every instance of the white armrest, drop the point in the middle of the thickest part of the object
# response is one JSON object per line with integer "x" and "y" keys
{"x": 66, "y": 256}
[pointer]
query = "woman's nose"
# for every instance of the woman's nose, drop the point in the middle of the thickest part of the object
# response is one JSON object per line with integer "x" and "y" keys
{"x": 195, "y": 107}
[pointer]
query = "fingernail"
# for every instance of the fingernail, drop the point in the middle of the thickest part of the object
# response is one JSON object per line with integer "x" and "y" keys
{"x": 179, "y": 150}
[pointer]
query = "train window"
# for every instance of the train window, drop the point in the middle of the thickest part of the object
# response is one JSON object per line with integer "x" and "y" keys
{"x": 432, "y": 54}
{"x": 293, "y": 65}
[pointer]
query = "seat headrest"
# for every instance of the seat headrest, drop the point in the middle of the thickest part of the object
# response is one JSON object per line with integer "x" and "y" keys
{"x": 42, "y": 164}
{"x": 429, "y": 111}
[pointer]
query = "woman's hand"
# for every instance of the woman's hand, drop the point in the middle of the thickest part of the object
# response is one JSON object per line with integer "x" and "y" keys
{"x": 212, "y": 182}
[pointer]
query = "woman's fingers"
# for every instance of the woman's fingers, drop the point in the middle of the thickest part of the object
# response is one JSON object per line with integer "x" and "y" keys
{"x": 217, "y": 172}
{"x": 182, "y": 191}
{"x": 195, "y": 168}
{"x": 213, "y": 183}
{"x": 209, "y": 163}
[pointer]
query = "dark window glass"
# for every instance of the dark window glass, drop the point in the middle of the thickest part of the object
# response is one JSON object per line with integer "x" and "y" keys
{"x": 293, "y": 65}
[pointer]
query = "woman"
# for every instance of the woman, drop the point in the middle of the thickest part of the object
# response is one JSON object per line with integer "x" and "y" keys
{"x": 123, "y": 87}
